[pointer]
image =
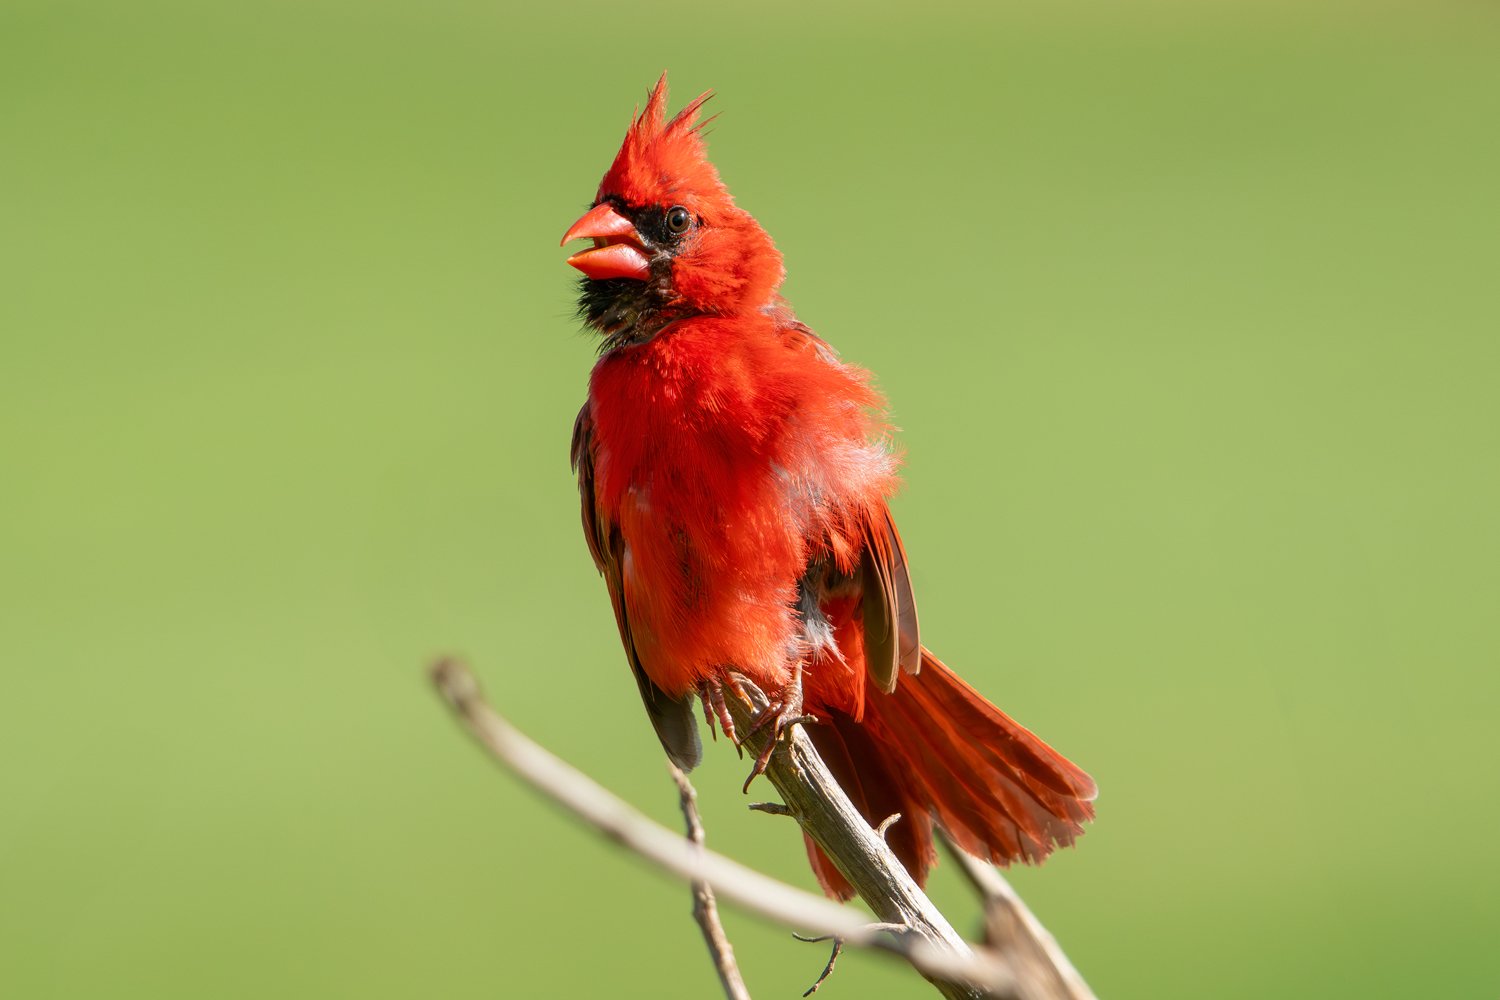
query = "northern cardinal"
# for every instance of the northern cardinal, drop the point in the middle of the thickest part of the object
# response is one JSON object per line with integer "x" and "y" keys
{"x": 734, "y": 476}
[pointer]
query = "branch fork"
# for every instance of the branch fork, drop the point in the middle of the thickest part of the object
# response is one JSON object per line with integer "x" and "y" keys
{"x": 1021, "y": 962}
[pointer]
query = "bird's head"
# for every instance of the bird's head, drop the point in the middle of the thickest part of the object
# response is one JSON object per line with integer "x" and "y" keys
{"x": 669, "y": 241}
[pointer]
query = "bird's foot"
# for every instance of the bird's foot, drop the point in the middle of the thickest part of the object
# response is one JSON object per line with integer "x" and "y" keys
{"x": 711, "y": 694}
{"x": 784, "y": 712}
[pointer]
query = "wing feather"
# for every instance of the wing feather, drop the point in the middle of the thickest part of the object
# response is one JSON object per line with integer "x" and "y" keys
{"x": 892, "y": 641}
{"x": 673, "y": 718}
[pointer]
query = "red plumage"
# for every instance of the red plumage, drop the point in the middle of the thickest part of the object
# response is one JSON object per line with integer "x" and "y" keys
{"x": 734, "y": 477}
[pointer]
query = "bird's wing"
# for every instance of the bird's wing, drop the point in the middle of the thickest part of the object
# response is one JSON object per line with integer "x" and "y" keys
{"x": 889, "y": 610}
{"x": 892, "y": 643}
{"x": 673, "y": 718}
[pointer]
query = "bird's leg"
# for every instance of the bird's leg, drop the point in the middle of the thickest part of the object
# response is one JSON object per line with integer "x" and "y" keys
{"x": 784, "y": 712}
{"x": 711, "y": 694}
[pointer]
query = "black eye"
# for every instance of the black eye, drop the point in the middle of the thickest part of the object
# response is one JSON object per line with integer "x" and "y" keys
{"x": 678, "y": 220}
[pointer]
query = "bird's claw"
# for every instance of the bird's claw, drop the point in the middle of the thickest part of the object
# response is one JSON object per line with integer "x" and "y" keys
{"x": 711, "y": 694}
{"x": 781, "y": 715}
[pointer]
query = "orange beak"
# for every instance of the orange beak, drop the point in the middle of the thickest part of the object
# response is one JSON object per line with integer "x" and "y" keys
{"x": 617, "y": 251}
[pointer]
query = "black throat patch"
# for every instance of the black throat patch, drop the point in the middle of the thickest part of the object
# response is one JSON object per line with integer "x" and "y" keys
{"x": 627, "y": 311}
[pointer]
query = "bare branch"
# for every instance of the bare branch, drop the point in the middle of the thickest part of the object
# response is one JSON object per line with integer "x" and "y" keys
{"x": 1042, "y": 970}
{"x": 757, "y": 893}
{"x": 838, "y": 949}
{"x": 819, "y": 804}
{"x": 705, "y": 910}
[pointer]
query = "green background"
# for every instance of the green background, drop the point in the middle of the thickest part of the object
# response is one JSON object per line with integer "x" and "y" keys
{"x": 1189, "y": 315}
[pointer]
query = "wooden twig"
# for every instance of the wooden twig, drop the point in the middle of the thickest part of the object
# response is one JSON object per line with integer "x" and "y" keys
{"x": 1042, "y": 970}
{"x": 860, "y": 852}
{"x": 759, "y": 894}
{"x": 833, "y": 958}
{"x": 705, "y": 910}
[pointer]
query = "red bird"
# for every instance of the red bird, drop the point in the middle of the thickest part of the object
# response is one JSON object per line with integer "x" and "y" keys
{"x": 734, "y": 476}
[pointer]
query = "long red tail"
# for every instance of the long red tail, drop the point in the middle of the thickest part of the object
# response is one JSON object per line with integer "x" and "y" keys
{"x": 935, "y": 749}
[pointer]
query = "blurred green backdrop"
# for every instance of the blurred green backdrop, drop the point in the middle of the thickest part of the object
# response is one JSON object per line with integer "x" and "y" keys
{"x": 1189, "y": 314}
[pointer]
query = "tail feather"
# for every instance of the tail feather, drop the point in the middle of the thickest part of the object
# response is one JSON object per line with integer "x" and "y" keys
{"x": 935, "y": 750}
{"x": 978, "y": 804}
{"x": 954, "y": 701}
